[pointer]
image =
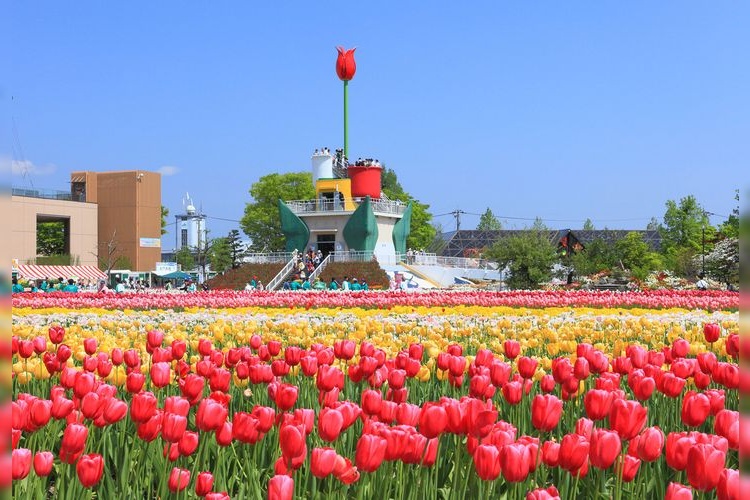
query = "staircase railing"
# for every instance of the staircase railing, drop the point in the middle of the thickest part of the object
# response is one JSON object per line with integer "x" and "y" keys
{"x": 279, "y": 278}
{"x": 319, "y": 269}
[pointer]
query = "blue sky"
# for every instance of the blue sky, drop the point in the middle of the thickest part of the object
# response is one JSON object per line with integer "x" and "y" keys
{"x": 563, "y": 110}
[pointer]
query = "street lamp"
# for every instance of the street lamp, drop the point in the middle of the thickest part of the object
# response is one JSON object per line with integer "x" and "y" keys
{"x": 703, "y": 249}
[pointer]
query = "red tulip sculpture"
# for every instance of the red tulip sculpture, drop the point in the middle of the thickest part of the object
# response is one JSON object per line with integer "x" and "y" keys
{"x": 345, "y": 69}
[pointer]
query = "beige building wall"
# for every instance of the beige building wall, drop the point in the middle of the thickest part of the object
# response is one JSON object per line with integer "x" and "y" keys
{"x": 83, "y": 227}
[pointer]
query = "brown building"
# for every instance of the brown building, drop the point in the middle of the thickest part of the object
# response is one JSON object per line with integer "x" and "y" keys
{"x": 129, "y": 214}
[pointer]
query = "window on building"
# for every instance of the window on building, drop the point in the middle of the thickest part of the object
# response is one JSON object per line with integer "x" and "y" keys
{"x": 184, "y": 238}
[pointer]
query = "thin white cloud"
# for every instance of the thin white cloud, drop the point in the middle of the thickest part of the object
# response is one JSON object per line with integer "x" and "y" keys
{"x": 168, "y": 170}
{"x": 25, "y": 167}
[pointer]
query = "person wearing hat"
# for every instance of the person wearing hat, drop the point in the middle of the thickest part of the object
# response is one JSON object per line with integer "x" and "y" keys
{"x": 356, "y": 287}
{"x": 71, "y": 287}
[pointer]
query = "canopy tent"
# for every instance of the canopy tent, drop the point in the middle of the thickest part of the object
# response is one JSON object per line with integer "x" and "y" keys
{"x": 54, "y": 272}
{"x": 177, "y": 275}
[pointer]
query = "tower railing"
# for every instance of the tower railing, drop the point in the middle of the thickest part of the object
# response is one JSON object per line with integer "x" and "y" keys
{"x": 382, "y": 206}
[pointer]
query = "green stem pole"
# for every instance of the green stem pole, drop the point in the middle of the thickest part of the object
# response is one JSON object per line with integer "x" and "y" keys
{"x": 346, "y": 125}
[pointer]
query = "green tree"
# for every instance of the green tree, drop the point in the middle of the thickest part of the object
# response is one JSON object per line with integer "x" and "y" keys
{"x": 596, "y": 257}
{"x": 730, "y": 228}
{"x": 528, "y": 256}
{"x": 683, "y": 224}
{"x": 588, "y": 225}
{"x": 164, "y": 215}
{"x": 261, "y": 221}
{"x": 236, "y": 248}
{"x": 488, "y": 222}
{"x": 220, "y": 255}
{"x": 635, "y": 255}
{"x": 421, "y": 233}
{"x": 683, "y": 234}
{"x": 50, "y": 238}
{"x": 184, "y": 257}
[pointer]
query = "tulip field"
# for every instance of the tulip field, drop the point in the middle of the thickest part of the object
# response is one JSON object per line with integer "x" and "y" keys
{"x": 376, "y": 395}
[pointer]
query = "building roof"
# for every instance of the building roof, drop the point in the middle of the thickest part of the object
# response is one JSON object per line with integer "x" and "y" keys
{"x": 470, "y": 242}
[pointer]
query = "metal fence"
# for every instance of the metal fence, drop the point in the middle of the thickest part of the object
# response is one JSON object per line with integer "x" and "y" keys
{"x": 267, "y": 258}
{"x": 47, "y": 194}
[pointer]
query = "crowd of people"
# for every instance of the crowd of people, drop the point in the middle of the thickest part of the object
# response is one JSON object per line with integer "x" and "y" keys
{"x": 70, "y": 285}
{"x": 304, "y": 284}
{"x": 367, "y": 162}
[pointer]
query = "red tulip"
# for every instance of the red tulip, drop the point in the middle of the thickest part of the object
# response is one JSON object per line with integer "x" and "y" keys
{"x": 204, "y": 484}
{"x": 173, "y": 427}
{"x": 512, "y": 348}
{"x": 89, "y": 469}
{"x": 286, "y": 396}
{"x": 597, "y": 403}
{"x": 551, "y": 453}
{"x": 73, "y": 442}
{"x": 371, "y": 401}
{"x": 695, "y": 408}
{"x": 149, "y": 430}
{"x": 322, "y": 462}
{"x": 728, "y": 487}
{"x": 650, "y": 444}
{"x": 43, "y": 462}
{"x": 671, "y": 385}
{"x": 526, "y": 366}
{"x": 547, "y": 383}
{"x": 143, "y": 406}
{"x": 416, "y": 351}
{"x": 211, "y": 415}
{"x": 727, "y": 424}
{"x": 643, "y": 388}
{"x": 56, "y": 334}
{"x": 432, "y": 420}
{"x": 546, "y": 411}
{"x": 114, "y": 410}
{"x": 515, "y": 462}
{"x": 605, "y": 447}
{"x": 584, "y": 427}
{"x": 21, "y": 463}
{"x": 487, "y": 462}
{"x": 513, "y": 392}
{"x": 89, "y": 345}
{"x": 370, "y": 452}
{"x": 711, "y": 332}
{"x": 676, "y": 491}
{"x": 161, "y": 374}
{"x": 704, "y": 466}
{"x": 680, "y": 348}
{"x": 549, "y": 493}
{"x": 188, "y": 443}
{"x": 280, "y": 487}
{"x": 732, "y": 345}
{"x": 154, "y": 338}
{"x": 178, "y": 479}
{"x": 628, "y": 467}
{"x": 292, "y": 441}
{"x": 574, "y": 451}
{"x": 345, "y": 65}
{"x": 627, "y": 418}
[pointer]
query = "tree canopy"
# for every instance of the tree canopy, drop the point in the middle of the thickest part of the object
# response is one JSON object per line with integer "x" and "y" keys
{"x": 220, "y": 255}
{"x": 422, "y": 233}
{"x": 488, "y": 222}
{"x": 686, "y": 232}
{"x": 528, "y": 257}
{"x": 261, "y": 221}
